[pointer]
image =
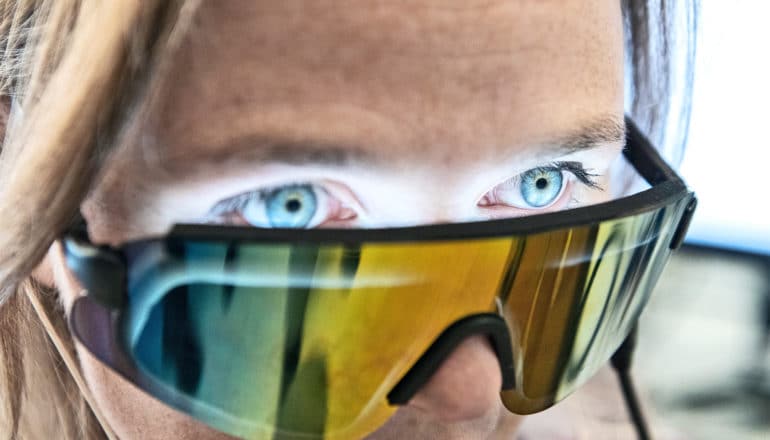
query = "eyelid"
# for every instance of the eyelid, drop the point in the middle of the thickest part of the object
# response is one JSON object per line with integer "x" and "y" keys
{"x": 328, "y": 205}
{"x": 576, "y": 169}
{"x": 581, "y": 173}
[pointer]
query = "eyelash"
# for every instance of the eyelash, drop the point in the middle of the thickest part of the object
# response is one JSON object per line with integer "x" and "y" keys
{"x": 580, "y": 172}
{"x": 231, "y": 208}
{"x": 235, "y": 204}
{"x": 327, "y": 208}
{"x": 512, "y": 189}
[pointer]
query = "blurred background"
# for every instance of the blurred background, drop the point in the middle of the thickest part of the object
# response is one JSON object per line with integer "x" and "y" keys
{"x": 703, "y": 358}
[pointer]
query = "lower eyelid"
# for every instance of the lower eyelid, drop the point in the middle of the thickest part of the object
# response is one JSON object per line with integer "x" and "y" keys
{"x": 339, "y": 223}
{"x": 502, "y": 211}
{"x": 344, "y": 195}
{"x": 333, "y": 205}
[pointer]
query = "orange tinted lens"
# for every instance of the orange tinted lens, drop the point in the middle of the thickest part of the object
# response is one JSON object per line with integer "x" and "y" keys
{"x": 305, "y": 340}
{"x": 571, "y": 298}
{"x": 278, "y": 340}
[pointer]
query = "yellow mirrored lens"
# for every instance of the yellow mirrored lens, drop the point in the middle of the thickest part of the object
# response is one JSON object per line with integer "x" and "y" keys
{"x": 280, "y": 339}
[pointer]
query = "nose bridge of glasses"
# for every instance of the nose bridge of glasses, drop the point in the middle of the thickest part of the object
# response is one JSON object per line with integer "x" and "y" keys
{"x": 487, "y": 324}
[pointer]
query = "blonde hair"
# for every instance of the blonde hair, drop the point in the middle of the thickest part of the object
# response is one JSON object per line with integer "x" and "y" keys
{"x": 77, "y": 73}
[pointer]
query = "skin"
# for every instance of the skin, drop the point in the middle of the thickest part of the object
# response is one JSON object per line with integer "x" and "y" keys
{"x": 436, "y": 103}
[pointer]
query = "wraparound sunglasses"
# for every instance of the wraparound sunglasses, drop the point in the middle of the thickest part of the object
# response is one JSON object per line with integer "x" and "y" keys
{"x": 286, "y": 333}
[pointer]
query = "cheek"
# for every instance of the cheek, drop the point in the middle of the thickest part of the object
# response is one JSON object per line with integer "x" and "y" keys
{"x": 134, "y": 415}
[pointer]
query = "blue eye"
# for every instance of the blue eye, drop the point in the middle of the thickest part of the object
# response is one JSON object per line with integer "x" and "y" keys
{"x": 298, "y": 205}
{"x": 290, "y": 206}
{"x": 541, "y": 186}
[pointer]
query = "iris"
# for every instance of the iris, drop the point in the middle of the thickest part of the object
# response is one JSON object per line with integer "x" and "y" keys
{"x": 541, "y": 186}
{"x": 291, "y": 206}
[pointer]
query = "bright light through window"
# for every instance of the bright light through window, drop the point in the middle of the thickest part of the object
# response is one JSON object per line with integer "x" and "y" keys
{"x": 728, "y": 156}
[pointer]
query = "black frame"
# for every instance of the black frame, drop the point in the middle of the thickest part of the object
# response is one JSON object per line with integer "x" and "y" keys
{"x": 103, "y": 269}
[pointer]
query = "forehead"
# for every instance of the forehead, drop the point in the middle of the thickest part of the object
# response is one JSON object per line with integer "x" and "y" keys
{"x": 399, "y": 79}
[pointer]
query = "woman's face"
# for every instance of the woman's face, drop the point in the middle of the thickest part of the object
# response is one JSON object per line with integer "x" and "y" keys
{"x": 361, "y": 114}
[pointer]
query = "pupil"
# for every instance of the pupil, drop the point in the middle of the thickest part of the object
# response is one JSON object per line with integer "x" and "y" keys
{"x": 293, "y": 205}
{"x": 541, "y": 183}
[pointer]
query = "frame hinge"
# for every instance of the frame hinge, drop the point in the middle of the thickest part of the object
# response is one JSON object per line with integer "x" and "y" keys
{"x": 684, "y": 224}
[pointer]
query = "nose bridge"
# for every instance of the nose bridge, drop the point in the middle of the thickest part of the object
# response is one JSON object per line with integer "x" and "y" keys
{"x": 487, "y": 324}
{"x": 437, "y": 194}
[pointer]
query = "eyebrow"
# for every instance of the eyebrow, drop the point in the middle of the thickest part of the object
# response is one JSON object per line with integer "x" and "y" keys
{"x": 262, "y": 149}
{"x": 286, "y": 151}
{"x": 601, "y": 131}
